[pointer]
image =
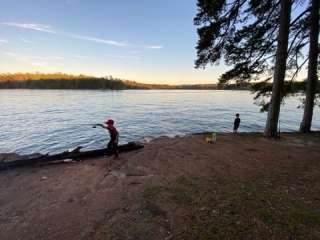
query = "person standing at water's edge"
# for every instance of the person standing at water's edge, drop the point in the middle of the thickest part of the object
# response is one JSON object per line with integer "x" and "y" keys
{"x": 114, "y": 136}
{"x": 236, "y": 123}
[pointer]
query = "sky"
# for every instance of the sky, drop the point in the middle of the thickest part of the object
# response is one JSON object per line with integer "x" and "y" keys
{"x": 148, "y": 41}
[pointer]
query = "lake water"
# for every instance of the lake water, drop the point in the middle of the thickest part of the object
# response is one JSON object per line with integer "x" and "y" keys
{"x": 49, "y": 121}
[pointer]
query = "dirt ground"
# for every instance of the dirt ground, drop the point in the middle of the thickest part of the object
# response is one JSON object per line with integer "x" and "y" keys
{"x": 242, "y": 187}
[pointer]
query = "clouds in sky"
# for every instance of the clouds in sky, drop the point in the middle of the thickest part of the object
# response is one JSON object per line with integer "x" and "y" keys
{"x": 48, "y": 29}
{"x": 24, "y": 40}
{"x": 32, "y": 26}
{"x": 123, "y": 57}
{"x": 46, "y": 61}
{"x": 38, "y": 58}
{"x": 154, "y": 47}
{"x": 98, "y": 40}
{"x": 48, "y": 58}
{"x": 11, "y": 54}
{"x": 2, "y": 41}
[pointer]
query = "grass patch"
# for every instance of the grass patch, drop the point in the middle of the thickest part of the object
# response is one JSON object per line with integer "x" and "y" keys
{"x": 253, "y": 209}
{"x": 236, "y": 210}
{"x": 183, "y": 190}
{"x": 152, "y": 193}
{"x": 142, "y": 222}
{"x": 134, "y": 229}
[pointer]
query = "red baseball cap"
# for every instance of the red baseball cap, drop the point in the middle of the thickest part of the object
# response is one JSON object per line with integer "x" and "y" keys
{"x": 109, "y": 121}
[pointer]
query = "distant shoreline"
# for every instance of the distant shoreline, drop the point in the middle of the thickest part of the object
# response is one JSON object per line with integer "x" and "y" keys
{"x": 62, "y": 81}
{"x": 128, "y": 89}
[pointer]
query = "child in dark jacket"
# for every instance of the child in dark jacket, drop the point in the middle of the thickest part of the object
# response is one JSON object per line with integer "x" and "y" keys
{"x": 236, "y": 123}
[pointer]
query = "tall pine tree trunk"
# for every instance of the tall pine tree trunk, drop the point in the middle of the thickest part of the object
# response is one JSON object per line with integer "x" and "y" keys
{"x": 312, "y": 68}
{"x": 280, "y": 70}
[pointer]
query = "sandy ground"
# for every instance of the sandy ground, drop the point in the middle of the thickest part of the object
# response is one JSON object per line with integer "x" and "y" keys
{"x": 85, "y": 201}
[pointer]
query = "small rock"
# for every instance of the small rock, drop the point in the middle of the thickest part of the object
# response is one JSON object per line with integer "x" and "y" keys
{"x": 169, "y": 237}
{"x": 43, "y": 178}
{"x": 68, "y": 160}
{"x": 135, "y": 183}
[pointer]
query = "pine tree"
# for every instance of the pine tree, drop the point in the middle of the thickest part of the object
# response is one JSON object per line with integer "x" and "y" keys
{"x": 249, "y": 41}
{"x": 279, "y": 71}
{"x": 218, "y": 20}
{"x": 312, "y": 78}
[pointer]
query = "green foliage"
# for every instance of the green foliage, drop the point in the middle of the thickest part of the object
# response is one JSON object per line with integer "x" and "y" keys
{"x": 66, "y": 81}
{"x": 59, "y": 81}
{"x": 218, "y": 20}
{"x": 244, "y": 34}
{"x": 263, "y": 90}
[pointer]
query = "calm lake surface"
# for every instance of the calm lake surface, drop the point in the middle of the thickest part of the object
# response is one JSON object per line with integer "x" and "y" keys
{"x": 49, "y": 121}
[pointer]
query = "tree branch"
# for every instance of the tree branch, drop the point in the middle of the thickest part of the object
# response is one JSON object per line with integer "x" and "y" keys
{"x": 300, "y": 15}
{"x": 294, "y": 39}
{"x": 298, "y": 69}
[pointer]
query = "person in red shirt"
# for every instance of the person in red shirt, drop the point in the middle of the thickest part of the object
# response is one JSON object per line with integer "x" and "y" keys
{"x": 114, "y": 136}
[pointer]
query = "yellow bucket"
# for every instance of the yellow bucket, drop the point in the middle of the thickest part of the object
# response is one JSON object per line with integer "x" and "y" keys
{"x": 211, "y": 137}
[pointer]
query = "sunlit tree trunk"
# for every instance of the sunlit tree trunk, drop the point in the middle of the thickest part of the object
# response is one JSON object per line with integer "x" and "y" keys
{"x": 280, "y": 70}
{"x": 312, "y": 68}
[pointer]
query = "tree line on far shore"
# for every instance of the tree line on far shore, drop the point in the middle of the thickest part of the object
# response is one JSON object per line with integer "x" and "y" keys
{"x": 266, "y": 43}
{"x": 58, "y": 81}
{"x": 68, "y": 81}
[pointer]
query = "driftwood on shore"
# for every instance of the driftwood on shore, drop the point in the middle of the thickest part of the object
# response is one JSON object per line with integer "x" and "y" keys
{"x": 76, "y": 154}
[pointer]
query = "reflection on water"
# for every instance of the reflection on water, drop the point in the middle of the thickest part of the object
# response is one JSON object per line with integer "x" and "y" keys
{"x": 55, "y": 120}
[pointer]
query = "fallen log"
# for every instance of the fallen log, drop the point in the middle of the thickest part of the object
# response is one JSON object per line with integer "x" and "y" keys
{"x": 76, "y": 154}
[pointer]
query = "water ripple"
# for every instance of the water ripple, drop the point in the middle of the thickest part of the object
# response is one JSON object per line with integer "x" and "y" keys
{"x": 57, "y": 120}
